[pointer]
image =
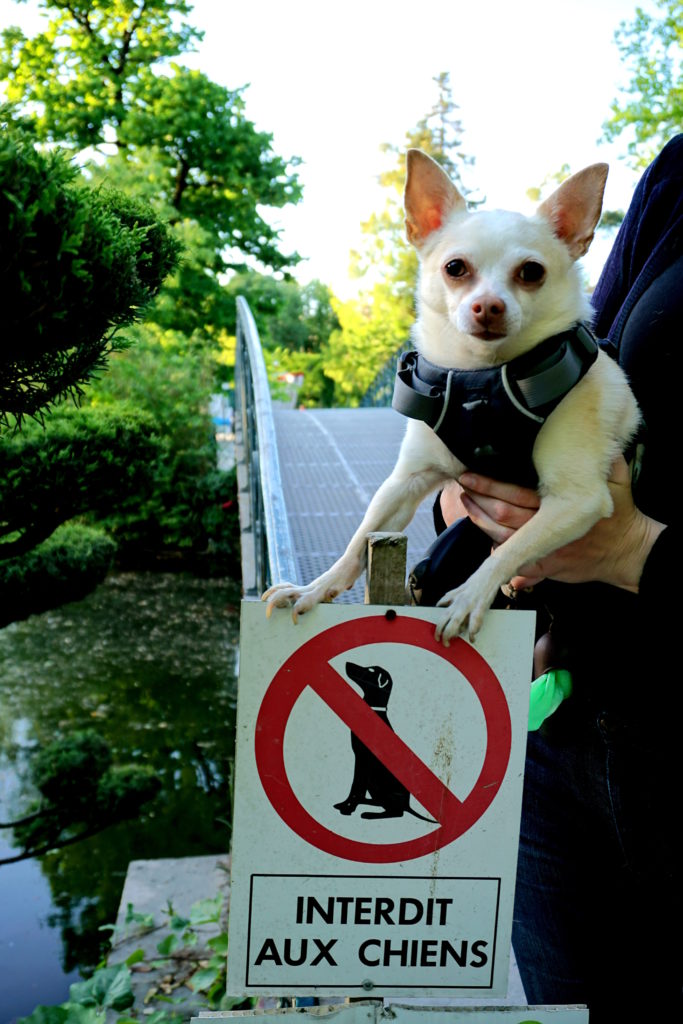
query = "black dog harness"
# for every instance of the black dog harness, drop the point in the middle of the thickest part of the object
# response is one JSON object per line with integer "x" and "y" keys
{"x": 489, "y": 418}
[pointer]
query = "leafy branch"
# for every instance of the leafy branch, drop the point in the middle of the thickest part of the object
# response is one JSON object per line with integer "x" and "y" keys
{"x": 200, "y": 966}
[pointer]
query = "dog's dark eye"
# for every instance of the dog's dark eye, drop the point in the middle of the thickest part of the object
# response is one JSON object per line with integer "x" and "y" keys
{"x": 456, "y": 268}
{"x": 531, "y": 272}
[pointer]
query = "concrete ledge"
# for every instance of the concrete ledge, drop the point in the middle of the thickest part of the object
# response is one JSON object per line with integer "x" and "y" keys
{"x": 149, "y": 887}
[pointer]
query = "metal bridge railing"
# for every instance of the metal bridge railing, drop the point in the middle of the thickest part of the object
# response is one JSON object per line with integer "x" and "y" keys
{"x": 267, "y": 550}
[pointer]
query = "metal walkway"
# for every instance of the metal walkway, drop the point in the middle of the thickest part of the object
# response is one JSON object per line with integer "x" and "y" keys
{"x": 306, "y": 477}
{"x": 332, "y": 461}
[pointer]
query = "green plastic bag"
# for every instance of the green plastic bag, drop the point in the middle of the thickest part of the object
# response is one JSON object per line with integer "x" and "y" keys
{"x": 547, "y": 693}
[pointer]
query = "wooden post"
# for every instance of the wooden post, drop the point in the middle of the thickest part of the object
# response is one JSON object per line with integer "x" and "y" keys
{"x": 386, "y": 575}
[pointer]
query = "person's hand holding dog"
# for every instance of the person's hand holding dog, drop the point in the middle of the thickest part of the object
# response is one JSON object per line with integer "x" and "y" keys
{"x": 614, "y": 551}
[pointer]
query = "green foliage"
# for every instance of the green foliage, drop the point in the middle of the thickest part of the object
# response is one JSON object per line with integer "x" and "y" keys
{"x": 87, "y": 459}
{"x": 318, "y": 389}
{"x": 63, "y": 771}
{"x": 110, "y": 988}
{"x": 218, "y": 167}
{"x": 123, "y": 790}
{"x": 376, "y": 325}
{"x": 386, "y": 249}
{"x": 81, "y": 793}
{"x": 189, "y": 521}
{"x": 611, "y": 219}
{"x": 549, "y": 184}
{"x": 68, "y": 1013}
{"x": 188, "y": 515}
{"x": 290, "y": 316}
{"x": 78, "y": 264}
{"x": 306, "y": 318}
{"x": 103, "y": 76}
{"x": 652, "y": 113}
{"x": 194, "y": 299}
{"x": 65, "y": 567}
{"x": 84, "y": 461}
{"x": 81, "y": 75}
{"x": 372, "y": 330}
{"x": 211, "y": 979}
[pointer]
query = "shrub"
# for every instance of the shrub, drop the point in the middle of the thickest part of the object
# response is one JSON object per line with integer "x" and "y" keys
{"x": 77, "y": 264}
{"x": 85, "y": 459}
{"x": 63, "y": 568}
{"x": 188, "y": 516}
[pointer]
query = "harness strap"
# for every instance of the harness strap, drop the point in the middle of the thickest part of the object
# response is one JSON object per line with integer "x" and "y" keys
{"x": 577, "y": 351}
{"x": 541, "y": 376}
{"x": 414, "y": 398}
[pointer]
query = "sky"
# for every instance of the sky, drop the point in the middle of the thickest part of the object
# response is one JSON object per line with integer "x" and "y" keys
{"x": 533, "y": 79}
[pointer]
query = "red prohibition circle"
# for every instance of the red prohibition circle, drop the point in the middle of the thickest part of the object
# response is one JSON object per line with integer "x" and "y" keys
{"x": 309, "y": 666}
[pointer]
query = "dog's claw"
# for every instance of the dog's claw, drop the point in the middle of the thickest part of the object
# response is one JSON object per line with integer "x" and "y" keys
{"x": 302, "y": 598}
{"x": 466, "y": 608}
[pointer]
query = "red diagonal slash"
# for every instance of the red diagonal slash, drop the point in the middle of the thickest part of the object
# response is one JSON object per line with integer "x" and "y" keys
{"x": 309, "y": 666}
{"x": 383, "y": 742}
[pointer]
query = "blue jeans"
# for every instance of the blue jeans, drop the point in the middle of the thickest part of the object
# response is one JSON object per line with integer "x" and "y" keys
{"x": 598, "y": 901}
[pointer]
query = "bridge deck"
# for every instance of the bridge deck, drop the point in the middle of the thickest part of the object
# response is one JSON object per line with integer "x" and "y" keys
{"x": 332, "y": 461}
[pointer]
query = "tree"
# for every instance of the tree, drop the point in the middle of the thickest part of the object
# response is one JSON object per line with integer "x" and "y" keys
{"x": 290, "y": 316}
{"x": 187, "y": 515}
{"x": 77, "y": 461}
{"x": 77, "y": 265}
{"x": 80, "y": 77}
{"x": 102, "y": 76}
{"x": 217, "y": 168}
{"x": 651, "y": 49}
{"x": 205, "y": 167}
{"x": 438, "y": 133}
{"x": 370, "y": 333}
{"x": 377, "y": 325}
{"x": 81, "y": 793}
{"x": 94, "y": 77}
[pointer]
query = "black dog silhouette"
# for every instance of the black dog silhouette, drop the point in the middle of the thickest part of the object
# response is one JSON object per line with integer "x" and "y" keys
{"x": 373, "y": 783}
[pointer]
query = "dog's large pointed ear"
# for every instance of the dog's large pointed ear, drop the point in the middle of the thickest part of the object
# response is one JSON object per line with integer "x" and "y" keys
{"x": 573, "y": 210}
{"x": 430, "y": 196}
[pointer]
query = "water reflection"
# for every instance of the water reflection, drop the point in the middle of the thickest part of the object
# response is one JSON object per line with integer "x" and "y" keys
{"x": 148, "y": 661}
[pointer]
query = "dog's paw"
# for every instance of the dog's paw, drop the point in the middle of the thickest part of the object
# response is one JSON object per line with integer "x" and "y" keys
{"x": 281, "y": 595}
{"x": 466, "y": 607}
{"x": 301, "y": 599}
{"x": 346, "y": 806}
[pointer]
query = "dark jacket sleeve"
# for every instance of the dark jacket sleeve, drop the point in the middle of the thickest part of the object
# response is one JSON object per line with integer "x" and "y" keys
{"x": 659, "y": 576}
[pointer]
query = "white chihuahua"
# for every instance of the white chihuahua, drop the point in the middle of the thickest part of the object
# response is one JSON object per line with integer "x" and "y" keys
{"x": 501, "y": 350}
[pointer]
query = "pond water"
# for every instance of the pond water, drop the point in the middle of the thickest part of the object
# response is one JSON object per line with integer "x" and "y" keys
{"x": 149, "y": 662}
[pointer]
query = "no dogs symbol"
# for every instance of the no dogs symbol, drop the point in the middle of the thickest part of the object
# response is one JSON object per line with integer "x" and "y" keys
{"x": 385, "y": 766}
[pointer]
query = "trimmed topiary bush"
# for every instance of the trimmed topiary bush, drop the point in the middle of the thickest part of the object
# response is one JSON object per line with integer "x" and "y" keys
{"x": 77, "y": 263}
{"x": 88, "y": 459}
{"x": 65, "y": 567}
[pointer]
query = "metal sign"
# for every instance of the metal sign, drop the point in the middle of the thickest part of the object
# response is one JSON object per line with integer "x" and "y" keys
{"x": 377, "y": 801}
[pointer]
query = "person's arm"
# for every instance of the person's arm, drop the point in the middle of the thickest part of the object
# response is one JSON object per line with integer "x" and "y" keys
{"x": 615, "y": 551}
